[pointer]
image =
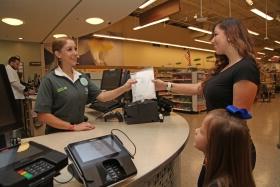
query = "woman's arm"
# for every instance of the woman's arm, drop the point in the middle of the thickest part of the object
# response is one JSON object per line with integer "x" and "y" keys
{"x": 57, "y": 123}
{"x": 244, "y": 93}
{"x": 182, "y": 88}
{"x": 112, "y": 94}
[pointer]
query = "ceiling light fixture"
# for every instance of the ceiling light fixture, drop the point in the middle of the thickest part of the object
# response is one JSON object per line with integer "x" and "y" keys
{"x": 12, "y": 21}
{"x": 202, "y": 41}
{"x": 20, "y": 38}
{"x": 59, "y": 35}
{"x": 94, "y": 21}
{"x": 268, "y": 48}
{"x": 250, "y": 2}
{"x": 261, "y": 14}
{"x": 261, "y": 53}
{"x": 258, "y": 58}
{"x": 253, "y": 33}
{"x": 147, "y": 3}
{"x": 199, "y": 30}
{"x": 152, "y": 23}
{"x": 152, "y": 42}
{"x": 277, "y": 41}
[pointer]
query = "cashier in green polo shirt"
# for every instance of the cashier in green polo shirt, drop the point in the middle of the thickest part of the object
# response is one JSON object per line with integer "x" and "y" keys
{"x": 64, "y": 92}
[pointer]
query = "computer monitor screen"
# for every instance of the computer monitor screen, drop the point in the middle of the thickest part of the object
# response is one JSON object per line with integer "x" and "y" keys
{"x": 128, "y": 95}
{"x": 9, "y": 120}
{"x": 111, "y": 79}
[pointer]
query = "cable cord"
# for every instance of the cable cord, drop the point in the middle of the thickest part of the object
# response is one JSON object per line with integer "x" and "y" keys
{"x": 64, "y": 182}
{"x": 132, "y": 155}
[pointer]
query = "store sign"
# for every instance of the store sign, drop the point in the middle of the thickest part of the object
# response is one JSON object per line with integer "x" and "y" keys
{"x": 34, "y": 63}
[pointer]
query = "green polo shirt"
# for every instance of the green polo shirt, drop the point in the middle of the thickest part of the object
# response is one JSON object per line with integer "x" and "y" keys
{"x": 64, "y": 98}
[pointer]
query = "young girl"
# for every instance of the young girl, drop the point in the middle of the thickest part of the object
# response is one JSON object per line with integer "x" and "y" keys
{"x": 225, "y": 141}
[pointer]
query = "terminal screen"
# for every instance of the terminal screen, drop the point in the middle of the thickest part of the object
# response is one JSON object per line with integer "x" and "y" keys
{"x": 97, "y": 148}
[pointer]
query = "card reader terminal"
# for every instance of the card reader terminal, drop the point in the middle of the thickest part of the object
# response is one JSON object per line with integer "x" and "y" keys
{"x": 101, "y": 161}
{"x": 35, "y": 166}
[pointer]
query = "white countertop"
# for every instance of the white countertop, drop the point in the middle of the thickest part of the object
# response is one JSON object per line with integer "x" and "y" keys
{"x": 156, "y": 142}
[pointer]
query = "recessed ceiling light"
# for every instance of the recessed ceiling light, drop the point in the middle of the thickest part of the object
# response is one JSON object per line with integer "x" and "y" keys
{"x": 152, "y": 23}
{"x": 151, "y": 42}
{"x": 261, "y": 14}
{"x": 59, "y": 35}
{"x": 268, "y": 48}
{"x": 250, "y": 2}
{"x": 277, "y": 41}
{"x": 261, "y": 53}
{"x": 202, "y": 41}
{"x": 199, "y": 30}
{"x": 253, "y": 33}
{"x": 12, "y": 21}
{"x": 94, "y": 21}
{"x": 147, "y": 3}
{"x": 20, "y": 38}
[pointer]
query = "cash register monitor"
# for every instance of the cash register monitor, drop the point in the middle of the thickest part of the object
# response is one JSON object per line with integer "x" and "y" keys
{"x": 127, "y": 97}
{"x": 9, "y": 120}
{"x": 111, "y": 79}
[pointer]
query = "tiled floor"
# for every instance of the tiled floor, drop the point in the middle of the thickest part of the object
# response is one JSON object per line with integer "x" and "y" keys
{"x": 264, "y": 129}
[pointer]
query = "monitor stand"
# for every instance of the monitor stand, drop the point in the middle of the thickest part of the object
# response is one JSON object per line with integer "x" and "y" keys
{"x": 11, "y": 138}
{"x": 108, "y": 116}
{"x": 113, "y": 115}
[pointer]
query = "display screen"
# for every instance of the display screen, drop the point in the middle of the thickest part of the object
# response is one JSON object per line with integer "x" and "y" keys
{"x": 7, "y": 115}
{"x": 9, "y": 118}
{"x": 96, "y": 148}
{"x": 111, "y": 79}
{"x": 9, "y": 156}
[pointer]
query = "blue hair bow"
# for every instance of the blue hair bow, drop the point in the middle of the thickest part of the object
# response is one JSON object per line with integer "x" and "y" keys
{"x": 240, "y": 113}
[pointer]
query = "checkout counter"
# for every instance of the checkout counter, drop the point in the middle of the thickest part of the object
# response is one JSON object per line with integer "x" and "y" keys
{"x": 158, "y": 144}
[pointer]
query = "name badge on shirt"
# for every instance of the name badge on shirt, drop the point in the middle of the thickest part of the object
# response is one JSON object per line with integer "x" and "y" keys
{"x": 83, "y": 81}
{"x": 61, "y": 89}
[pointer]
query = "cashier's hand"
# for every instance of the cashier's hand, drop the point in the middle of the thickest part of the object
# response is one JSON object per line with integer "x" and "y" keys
{"x": 128, "y": 84}
{"x": 159, "y": 84}
{"x": 84, "y": 126}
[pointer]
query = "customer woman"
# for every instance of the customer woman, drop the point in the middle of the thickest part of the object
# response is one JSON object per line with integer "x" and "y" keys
{"x": 64, "y": 92}
{"x": 235, "y": 78}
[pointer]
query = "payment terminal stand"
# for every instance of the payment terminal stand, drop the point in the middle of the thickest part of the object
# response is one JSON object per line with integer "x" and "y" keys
{"x": 100, "y": 161}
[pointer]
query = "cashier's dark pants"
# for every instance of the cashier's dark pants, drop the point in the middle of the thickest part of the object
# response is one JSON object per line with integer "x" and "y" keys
{"x": 203, "y": 169}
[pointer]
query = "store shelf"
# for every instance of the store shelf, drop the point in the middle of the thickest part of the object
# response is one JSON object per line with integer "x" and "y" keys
{"x": 182, "y": 102}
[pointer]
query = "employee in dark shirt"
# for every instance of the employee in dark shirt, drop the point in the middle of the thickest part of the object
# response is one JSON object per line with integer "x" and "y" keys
{"x": 234, "y": 80}
{"x": 64, "y": 92}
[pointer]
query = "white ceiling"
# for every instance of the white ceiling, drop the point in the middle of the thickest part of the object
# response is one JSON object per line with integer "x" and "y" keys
{"x": 216, "y": 10}
{"x": 43, "y": 18}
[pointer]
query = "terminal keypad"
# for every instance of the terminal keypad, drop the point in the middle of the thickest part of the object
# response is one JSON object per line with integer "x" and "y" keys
{"x": 35, "y": 169}
{"x": 114, "y": 172}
